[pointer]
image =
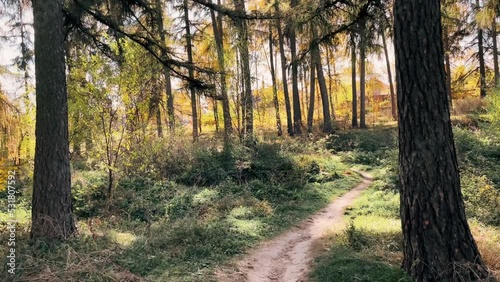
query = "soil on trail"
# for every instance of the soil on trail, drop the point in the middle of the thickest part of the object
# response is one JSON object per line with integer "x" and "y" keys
{"x": 287, "y": 258}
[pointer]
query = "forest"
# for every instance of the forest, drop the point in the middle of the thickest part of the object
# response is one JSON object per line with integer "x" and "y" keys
{"x": 260, "y": 140}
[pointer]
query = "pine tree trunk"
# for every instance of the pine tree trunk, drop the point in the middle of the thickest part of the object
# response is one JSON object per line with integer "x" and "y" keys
{"x": 216, "y": 115}
{"x": 297, "y": 115}
{"x": 189, "y": 49}
{"x": 170, "y": 99}
{"x": 495, "y": 50}
{"x": 226, "y": 111}
{"x": 482, "y": 69}
{"x": 166, "y": 70}
{"x": 284, "y": 79}
{"x": 273, "y": 79}
{"x": 389, "y": 74}
{"x": 312, "y": 92}
{"x": 353, "y": 83}
{"x": 159, "y": 128}
{"x": 327, "y": 119}
{"x": 51, "y": 213}
{"x": 438, "y": 245}
{"x": 329, "y": 60}
{"x": 362, "y": 78}
{"x": 303, "y": 91}
{"x": 242, "y": 30}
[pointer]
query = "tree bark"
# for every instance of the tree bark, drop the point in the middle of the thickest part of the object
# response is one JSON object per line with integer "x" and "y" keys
{"x": 327, "y": 119}
{"x": 495, "y": 49}
{"x": 216, "y": 115}
{"x": 389, "y": 74}
{"x": 482, "y": 69}
{"x": 353, "y": 83}
{"x": 362, "y": 78}
{"x": 297, "y": 115}
{"x": 51, "y": 213}
{"x": 284, "y": 79}
{"x": 219, "y": 42}
{"x": 332, "y": 99}
{"x": 192, "y": 91}
{"x": 166, "y": 70}
{"x": 242, "y": 30}
{"x": 312, "y": 92}
{"x": 159, "y": 127}
{"x": 273, "y": 79}
{"x": 438, "y": 244}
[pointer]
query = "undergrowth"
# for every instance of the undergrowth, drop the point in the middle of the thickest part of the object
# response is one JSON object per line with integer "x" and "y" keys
{"x": 178, "y": 215}
{"x": 370, "y": 248}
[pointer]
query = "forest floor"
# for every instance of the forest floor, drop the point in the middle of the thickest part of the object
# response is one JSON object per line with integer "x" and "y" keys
{"x": 258, "y": 213}
{"x": 288, "y": 257}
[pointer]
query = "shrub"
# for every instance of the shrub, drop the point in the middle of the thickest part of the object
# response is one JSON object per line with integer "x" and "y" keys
{"x": 482, "y": 200}
{"x": 89, "y": 193}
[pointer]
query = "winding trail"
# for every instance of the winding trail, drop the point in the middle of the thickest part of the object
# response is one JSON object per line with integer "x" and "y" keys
{"x": 287, "y": 258}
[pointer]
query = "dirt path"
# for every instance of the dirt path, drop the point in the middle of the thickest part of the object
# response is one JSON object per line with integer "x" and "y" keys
{"x": 287, "y": 258}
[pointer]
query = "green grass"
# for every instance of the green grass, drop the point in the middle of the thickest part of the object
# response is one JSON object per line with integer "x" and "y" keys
{"x": 341, "y": 264}
{"x": 181, "y": 227}
{"x": 370, "y": 249}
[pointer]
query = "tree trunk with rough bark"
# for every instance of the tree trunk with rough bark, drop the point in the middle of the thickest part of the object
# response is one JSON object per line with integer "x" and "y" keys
{"x": 312, "y": 93}
{"x": 354, "y": 123}
{"x": 297, "y": 115}
{"x": 284, "y": 78}
{"x": 242, "y": 30}
{"x": 226, "y": 111}
{"x": 438, "y": 244}
{"x": 362, "y": 78}
{"x": 389, "y": 76}
{"x": 273, "y": 79}
{"x": 166, "y": 70}
{"x": 327, "y": 119}
{"x": 52, "y": 211}
{"x": 192, "y": 91}
{"x": 482, "y": 68}
{"x": 495, "y": 50}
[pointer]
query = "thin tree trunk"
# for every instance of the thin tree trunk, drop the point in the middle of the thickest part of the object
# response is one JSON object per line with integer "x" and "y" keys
{"x": 495, "y": 49}
{"x": 52, "y": 211}
{"x": 389, "y": 75}
{"x": 273, "y": 79}
{"x": 166, "y": 70}
{"x": 242, "y": 29}
{"x": 239, "y": 108}
{"x": 362, "y": 78}
{"x": 303, "y": 86}
{"x": 170, "y": 99}
{"x": 297, "y": 115}
{"x": 189, "y": 48}
{"x": 329, "y": 60}
{"x": 284, "y": 79}
{"x": 327, "y": 119}
{"x": 353, "y": 81}
{"x": 482, "y": 69}
{"x": 438, "y": 244}
{"x": 198, "y": 106}
{"x": 312, "y": 92}
{"x": 216, "y": 115}
{"x": 159, "y": 128}
{"x": 226, "y": 111}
